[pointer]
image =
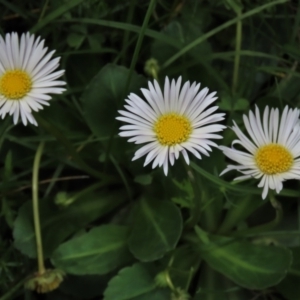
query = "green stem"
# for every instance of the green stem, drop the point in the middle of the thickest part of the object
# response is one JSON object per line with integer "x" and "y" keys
{"x": 139, "y": 42}
{"x": 208, "y": 213}
{"x": 208, "y": 283}
{"x": 202, "y": 206}
{"x": 296, "y": 26}
{"x": 154, "y": 73}
{"x": 6, "y": 127}
{"x": 214, "y": 31}
{"x": 131, "y": 69}
{"x": 238, "y": 44}
{"x": 43, "y": 10}
{"x": 35, "y": 206}
{"x": 90, "y": 189}
{"x": 267, "y": 226}
{"x": 238, "y": 213}
{"x": 126, "y": 33}
{"x": 195, "y": 210}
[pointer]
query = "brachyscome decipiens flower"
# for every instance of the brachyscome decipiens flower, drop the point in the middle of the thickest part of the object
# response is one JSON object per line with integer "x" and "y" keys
{"x": 174, "y": 121}
{"x": 272, "y": 150}
{"x": 26, "y": 76}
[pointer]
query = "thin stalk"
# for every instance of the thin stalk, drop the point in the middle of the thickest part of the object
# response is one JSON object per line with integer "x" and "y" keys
{"x": 139, "y": 42}
{"x": 238, "y": 214}
{"x": 131, "y": 69}
{"x": 214, "y": 31}
{"x": 296, "y": 25}
{"x": 195, "y": 210}
{"x": 208, "y": 214}
{"x": 35, "y": 206}
{"x": 267, "y": 226}
{"x": 43, "y": 10}
{"x": 209, "y": 282}
{"x": 202, "y": 206}
{"x": 126, "y": 33}
{"x": 238, "y": 43}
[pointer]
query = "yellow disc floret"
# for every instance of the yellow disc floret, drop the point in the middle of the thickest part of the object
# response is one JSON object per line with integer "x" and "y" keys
{"x": 172, "y": 129}
{"x": 273, "y": 159}
{"x": 15, "y": 84}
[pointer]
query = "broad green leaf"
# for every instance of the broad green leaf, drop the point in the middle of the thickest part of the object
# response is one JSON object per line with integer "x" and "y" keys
{"x": 104, "y": 96}
{"x": 249, "y": 265}
{"x": 157, "y": 294}
{"x": 289, "y": 287}
{"x": 58, "y": 224}
{"x": 135, "y": 282}
{"x": 156, "y": 230}
{"x": 99, "y": 251}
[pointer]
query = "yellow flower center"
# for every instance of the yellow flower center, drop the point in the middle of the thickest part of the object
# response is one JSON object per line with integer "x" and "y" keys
{"x": 172, "y": 129}
{"x": 15, "y": 84}
{"x": 273, "y": 159}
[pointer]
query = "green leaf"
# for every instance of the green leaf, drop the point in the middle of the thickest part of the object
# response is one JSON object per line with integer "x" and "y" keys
{"x": 135, "y": 282}
{"x": 143, "y": 179}
{"x": 158, "y": 294}
{"x": 57, "y": 224}
{"x": 186, "y": 199}
{"x": 7, "y": 212}
{"x": 289, "y": 287}
{"x": 233, "y": 104}
{"x": 104, "y": 96}
{"x": 184, "y": 32}
{"x": 204, "y": 37}
{"x": 75, "y": 39}
{"x": 249, "y": 265}
{"x": 99, "y": 251}
{"x": 8, "y": 166}
{"x": 156, "y": 230}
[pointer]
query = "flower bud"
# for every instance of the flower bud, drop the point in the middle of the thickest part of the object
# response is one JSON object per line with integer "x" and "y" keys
{"x": 46, "y": 282}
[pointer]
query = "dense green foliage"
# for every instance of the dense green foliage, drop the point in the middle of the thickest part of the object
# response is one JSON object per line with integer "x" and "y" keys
{"x": 122, "y": 231}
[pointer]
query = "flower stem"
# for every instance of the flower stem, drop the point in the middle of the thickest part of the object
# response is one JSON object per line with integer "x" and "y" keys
{"x": 35, "y": 206}
{"x": 238, "y": 44}
{"x": 267, "y": 226}
{"x": 138, "y": 45}
{"x": 195, "y": 210}
{"x": 238, "y": 213}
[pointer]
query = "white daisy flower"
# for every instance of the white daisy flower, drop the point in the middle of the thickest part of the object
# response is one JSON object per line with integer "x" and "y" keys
{"x": 171, "y": 122}
{"x": 26, "y": 76}
{"x": 273, "y": 150}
